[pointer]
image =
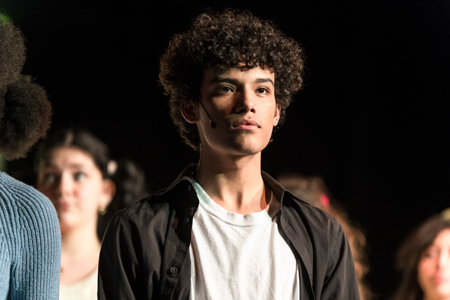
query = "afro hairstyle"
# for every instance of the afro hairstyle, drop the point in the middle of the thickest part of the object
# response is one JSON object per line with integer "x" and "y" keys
{"x": 12, "y": 52}
{"x": 25, "y": 119}
{"x": 25, "y": 111}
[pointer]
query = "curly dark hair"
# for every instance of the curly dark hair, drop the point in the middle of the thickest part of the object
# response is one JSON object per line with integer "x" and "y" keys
{"x": 26, "y": 117}
{"x": 25, "y": 111}
{"x": 222, "y": 41}
{"x": 12, "y": 52}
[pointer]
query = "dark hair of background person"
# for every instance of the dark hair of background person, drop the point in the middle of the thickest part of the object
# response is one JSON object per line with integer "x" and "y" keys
{"x": 25, "y": 112}
{"x": 128, "y": 177}
{"x": 313, "y": 190}
{"x": 222, "y": 41}
{"x": 130, "y": 182}
{"x": 80, "y": 138}
{"x": 410, "y": 252}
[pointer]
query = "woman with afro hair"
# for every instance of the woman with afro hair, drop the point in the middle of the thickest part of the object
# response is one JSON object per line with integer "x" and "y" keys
{"x": 30, "y": 241}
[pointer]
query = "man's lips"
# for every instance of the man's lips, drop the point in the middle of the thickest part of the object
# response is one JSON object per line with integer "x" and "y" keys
{"x": 245, "y": 124}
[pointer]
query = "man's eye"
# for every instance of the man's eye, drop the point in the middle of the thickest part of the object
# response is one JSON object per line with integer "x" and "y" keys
{"x": 262, "y": 91}
{"x": 79, "y": 176}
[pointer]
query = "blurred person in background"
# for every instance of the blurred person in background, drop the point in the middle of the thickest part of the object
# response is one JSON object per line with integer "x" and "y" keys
{"x": 313, "y": 190}
{"x": 130, "y": 182}
{"x": 30, "y": 241}
{"x": 423, "y": 261}
{"x": 74, "y": 172}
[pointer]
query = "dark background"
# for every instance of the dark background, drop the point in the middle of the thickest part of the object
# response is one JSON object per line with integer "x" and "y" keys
{"x": 373, "y": 118}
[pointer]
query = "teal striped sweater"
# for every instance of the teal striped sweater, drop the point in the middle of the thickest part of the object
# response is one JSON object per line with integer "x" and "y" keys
{"x": 30, "y": 243}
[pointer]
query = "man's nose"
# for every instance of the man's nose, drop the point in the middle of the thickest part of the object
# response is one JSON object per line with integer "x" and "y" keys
{"x": 245, "y": 101}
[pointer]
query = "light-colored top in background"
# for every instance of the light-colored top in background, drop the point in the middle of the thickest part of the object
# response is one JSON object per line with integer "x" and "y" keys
{"x": 85, "y": 289}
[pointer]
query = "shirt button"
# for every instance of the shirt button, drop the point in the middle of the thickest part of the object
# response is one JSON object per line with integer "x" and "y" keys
{"x": 173, "y": 270}
{"x": 189, "y": 188}
{"x": 186, "y": 220}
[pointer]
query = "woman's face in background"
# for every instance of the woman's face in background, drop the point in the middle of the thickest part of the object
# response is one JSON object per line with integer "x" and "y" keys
{"x": 74, "y": 184}
{"x": 433, "y": 269}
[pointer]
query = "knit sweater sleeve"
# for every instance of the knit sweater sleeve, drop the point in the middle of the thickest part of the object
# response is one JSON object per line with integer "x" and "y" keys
{"x": 30, "y": 243}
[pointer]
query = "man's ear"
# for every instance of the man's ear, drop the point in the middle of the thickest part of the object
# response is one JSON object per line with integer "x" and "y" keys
{"x": 109, "y": 190}
{"x": 276, "y": 118}
{"x": 189, "y": 111}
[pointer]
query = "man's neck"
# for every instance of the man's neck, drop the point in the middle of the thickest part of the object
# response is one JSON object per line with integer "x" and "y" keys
{"x": 235, "y": 183}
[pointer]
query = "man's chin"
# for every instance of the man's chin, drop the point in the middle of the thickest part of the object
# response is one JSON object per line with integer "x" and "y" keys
{"x": 244, "y": 151}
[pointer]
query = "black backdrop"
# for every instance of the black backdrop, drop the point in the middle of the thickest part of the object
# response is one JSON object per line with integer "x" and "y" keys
{"x": 373, "y": 118}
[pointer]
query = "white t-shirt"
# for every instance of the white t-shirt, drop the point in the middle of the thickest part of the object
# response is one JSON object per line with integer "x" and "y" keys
{"x": 239, "y": 256}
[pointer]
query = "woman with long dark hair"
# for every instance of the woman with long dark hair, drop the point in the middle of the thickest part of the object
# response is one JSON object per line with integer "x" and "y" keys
{"x": 424, "y": 261}
{"x": 86, "y": 187}
{"x": 74, "y": 171}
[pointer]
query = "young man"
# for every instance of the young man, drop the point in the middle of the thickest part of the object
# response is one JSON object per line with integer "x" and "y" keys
{"x": 224, "y": 229}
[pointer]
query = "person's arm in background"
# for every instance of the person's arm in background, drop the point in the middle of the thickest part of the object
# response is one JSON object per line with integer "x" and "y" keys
{"x": 34, "y": 243}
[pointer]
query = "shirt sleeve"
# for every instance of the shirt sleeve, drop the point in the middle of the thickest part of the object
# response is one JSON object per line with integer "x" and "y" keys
{"x": 340, "y": 281}
{"x": 37, "y": 259}
{"x": 119, "y": 265}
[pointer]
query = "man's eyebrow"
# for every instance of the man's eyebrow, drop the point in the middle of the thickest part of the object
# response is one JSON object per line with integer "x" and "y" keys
{"x": 236, "y": 82}
{"x": 217, "y": 79}
{"x": 263, "y": 80}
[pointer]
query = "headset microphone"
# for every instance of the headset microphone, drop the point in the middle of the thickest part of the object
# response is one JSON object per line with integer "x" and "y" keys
{"x": 211, "y": 122}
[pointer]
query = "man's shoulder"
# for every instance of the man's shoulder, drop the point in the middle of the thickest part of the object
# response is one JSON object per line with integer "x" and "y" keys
{"x": 294, "y": 207}
{"x": 310, "y": 216}
{"x": 179, "y": 196}
{"x": 146, "y": 208}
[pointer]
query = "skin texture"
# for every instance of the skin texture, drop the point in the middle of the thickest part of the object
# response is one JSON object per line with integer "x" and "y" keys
{"x": 434, "y": 268}
{"x": 241, "y": 101}
{"x": 233, "y": 97}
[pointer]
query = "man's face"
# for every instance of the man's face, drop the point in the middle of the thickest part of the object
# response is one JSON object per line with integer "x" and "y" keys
{"x": 242, "y": 104}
